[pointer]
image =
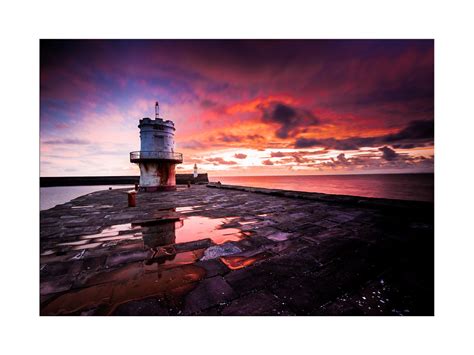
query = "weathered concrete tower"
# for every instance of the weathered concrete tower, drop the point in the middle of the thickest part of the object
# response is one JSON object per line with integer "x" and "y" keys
{"x": 156, "y": 158}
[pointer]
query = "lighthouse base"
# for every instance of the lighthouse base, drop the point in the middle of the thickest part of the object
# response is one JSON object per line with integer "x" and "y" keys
{"x": 157, "y": 176}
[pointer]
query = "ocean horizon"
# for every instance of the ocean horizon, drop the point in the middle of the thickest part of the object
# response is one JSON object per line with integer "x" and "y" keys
{"x": 412, "y": 186}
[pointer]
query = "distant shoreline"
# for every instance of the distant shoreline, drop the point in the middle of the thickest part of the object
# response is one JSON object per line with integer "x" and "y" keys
{"x": 111, "y": 180}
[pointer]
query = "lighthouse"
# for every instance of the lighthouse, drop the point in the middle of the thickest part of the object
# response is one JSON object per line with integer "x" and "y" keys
{"x": 157, "y": 159}
{"x": 195, "y": 171}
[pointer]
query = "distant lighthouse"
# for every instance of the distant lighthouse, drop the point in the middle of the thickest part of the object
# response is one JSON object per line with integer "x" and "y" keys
{"x": 195, "y": 171}
{"x": 157, "y": 159}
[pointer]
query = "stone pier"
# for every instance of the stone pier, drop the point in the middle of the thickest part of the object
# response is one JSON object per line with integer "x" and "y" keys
{"x": 227, "y": 250}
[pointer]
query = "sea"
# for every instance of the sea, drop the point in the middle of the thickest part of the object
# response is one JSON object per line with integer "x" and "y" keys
{"x": 57, "y": 195}
{"x": 418, "y": 187}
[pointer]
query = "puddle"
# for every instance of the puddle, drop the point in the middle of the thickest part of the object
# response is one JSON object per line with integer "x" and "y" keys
{"x": 239, "y": 262}
{"x": 86, "y": 246}
{"x": 132, "y": 261}
{"x": 156, "y": 233}
{"x": 112, "y": 231}
{"x": 197, "y": 227}
{"x": 133, "y": 282}
{"x": 78, "y": 242}
{"x": 188, "y": 209}
{"x": 187, "y": 257}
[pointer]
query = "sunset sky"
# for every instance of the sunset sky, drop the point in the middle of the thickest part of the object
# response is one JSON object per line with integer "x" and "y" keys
{"x": 273, "y": 107}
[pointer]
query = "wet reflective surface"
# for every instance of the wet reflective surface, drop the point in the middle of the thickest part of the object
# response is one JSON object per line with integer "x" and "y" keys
{"x": 209, "y": 251}
{"x": 155, "y": 232}
{"x": 196, "y": 227}
{"x": 131, "y": 261}
{"x": 106, "y": 291}
{"x": 239, "y": 262}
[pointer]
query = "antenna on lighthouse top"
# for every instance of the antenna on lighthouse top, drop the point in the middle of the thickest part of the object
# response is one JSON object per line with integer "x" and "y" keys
{"x": 157, "y": 110}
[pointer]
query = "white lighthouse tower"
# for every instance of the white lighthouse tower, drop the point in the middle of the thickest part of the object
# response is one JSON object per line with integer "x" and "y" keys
{"x": 156, "y": 158}
{"x": 195, "y": 171}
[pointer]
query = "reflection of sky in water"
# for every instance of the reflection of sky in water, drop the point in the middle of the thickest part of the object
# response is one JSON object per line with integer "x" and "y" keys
{"x": 133, "y": 261}
{"x": 397, "y": 186}
{"x": 239, "y": 262}
{"x": 159, "y": 232}
{"x": 141, "y": 260}
{"x": 197, "y": 227}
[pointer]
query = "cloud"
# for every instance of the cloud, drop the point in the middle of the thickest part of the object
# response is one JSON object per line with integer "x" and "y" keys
{"x": 388, "y": 153}
{"x": 289, "y": 118}
{"x": 342, "y": 158}
{"x": 415, "y": 134}
{"x": 192, "y": 144}
{"x": 298, "y": 153}
{"x": 221, "y": 161}
{"x": 230, "y": 138}
{"x": 257, "y": 94}
{"x": 241, "y": 138}
{"x": 240, "y": 155}
{"x": 72, "y": 141}
{"x": 267, "y": 162}
{"x": 352, "y": 143}
{"x": 416, "y": 130}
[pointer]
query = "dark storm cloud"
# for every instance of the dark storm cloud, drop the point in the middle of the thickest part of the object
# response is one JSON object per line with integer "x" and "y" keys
{"x": 342, "y": 158}
{"x": 290, "y": 119}
{"x": 389, "y": 159}
{"x": 416, "y": 130}
{"x": 388, "y": 153}
{"x": 407, "y": 145}
{"x": 267, "y": 162}
{"x": 416, "y": 134}
{"x": 352, "y": 143}
{"x": 328, "y": 143}
{"x": 240, "y": 155}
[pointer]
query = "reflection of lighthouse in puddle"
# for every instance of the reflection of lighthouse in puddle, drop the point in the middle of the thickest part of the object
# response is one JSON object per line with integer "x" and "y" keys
{"x": 160, "y": 238}
{"x": 160, "y": 234}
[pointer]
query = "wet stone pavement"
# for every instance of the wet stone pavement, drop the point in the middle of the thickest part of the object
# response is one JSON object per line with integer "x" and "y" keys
{"x": 236, "y": 251}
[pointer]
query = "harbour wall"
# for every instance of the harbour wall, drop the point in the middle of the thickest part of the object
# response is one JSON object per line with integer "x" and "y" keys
{"x": 181, "y": 179}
